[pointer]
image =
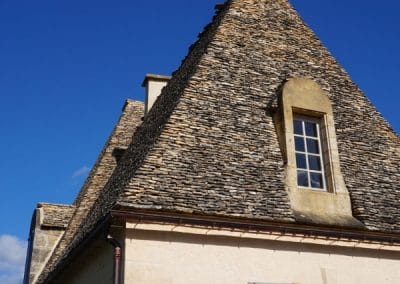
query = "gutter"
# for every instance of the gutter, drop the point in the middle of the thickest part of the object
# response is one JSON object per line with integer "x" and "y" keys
{"x": 263, "y": 226}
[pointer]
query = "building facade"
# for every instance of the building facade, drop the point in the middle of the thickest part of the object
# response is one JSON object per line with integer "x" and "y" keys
{"x": 257, "y": 161}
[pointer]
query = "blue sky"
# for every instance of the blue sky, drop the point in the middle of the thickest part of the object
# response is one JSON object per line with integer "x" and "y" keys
{"x": 68, "y": 66}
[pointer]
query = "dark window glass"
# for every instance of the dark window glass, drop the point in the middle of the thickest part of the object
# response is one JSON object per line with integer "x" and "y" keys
{"x": 311, "y": 129}
{"x": 316, "y": 180}
{"x": 297, "y": 127}
{"x": 312, "y": 146}
{"x": 301, "y": 161}
{"x": 314, "y": 162}
{"x": 309, "y": 162}
{"x": 302, "y": 178}
{"x": 299, "y": 144}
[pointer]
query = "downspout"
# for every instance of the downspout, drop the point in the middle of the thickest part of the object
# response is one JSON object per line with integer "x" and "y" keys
{"x": 117, "y": 259}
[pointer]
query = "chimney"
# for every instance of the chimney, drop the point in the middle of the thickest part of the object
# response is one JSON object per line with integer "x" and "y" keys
{"x": 154, "y": 84}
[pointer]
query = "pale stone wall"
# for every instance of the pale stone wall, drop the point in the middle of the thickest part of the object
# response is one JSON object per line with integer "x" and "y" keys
{"x": 161, "y": 257}
{"x": 48, "y": 224}
{"x": 95, "y": 265}
{"x": 43, "y": 245}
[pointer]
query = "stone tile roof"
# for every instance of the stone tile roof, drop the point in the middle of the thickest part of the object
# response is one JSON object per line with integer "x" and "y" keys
{"x": 55, "y": 215}
{"x": 209, "y": 144}
{"x": 120, "y": 138}
{"x": 215, "y": 148}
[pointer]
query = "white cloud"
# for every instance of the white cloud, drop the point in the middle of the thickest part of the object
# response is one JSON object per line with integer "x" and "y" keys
{"x": 83, "y": 171}
{"x": 12, "y": 259}
{"x": 11, "y": 278}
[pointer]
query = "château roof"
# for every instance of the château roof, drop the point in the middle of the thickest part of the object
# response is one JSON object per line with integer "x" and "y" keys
{"x": 209, "y": 145}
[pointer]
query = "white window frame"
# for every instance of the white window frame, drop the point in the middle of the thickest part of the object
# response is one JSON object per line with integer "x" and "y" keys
{"x": 317, "y": 122}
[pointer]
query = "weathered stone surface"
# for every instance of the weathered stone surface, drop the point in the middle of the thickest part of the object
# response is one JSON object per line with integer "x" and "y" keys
{"x": 215, "y": 144}
{"x": 48, "y": 224}
{"x": 56, "y": 215}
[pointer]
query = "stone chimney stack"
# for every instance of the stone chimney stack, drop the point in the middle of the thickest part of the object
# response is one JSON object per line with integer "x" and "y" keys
{"x": 154, "y": 84}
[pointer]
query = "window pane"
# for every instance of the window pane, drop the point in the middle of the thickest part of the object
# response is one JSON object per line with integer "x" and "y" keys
{"x": 301, "y": 161}
{"x": 309, "y": 161}
{"x": 311, "y": 129}
{"x": 302, "y": 178}
{"x": 297, "y": 127}
{"x": 299, "y": 144}
{"x": 316, "y": 180}
{"x": 312, "y": 146}
{"x": 314, "y": 162}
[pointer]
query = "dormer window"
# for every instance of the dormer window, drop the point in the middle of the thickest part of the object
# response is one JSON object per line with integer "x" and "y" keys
{"x": 313, "y": 178}
{"x": 309, "y": 160}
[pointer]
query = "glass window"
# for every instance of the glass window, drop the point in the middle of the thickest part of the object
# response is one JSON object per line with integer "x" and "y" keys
{"x": 311, "y": 129}
{"x": 307, "y": 138}
{"x": 301, "y": 161}
{"x": 299, "y": 144}
{"x": 312, "y": 146}
{"x": 302, "y": 178}
{"x": 298, "y": 127}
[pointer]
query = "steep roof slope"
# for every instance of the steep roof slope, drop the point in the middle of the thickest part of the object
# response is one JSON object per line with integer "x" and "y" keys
{"x": 120, "y": 137}
{"x": 209, "y": 144}
{"x": 218, "y": 151}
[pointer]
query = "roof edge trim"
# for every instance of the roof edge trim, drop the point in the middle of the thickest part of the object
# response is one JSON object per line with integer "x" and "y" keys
{"x": 326, "y": 231}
